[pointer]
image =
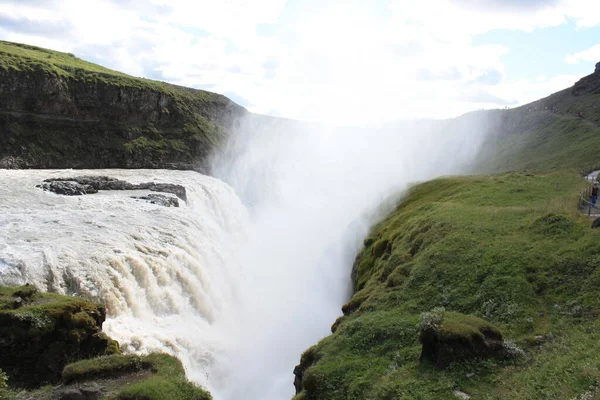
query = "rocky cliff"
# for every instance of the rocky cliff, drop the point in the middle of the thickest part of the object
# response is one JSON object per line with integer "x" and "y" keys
{"x": 57, "y": 111}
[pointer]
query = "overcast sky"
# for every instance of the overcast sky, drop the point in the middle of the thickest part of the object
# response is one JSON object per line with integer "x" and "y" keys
{"x": 343, "y": 61}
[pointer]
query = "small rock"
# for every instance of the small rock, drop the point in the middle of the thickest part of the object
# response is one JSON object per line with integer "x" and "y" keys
{"x": 67, "y": 188}
{"x": 470, "y": 374}
{"x": 17, "y": 303}
{"x": 596, "y": 223}
{"x": 461, "y": 395}
{"x": 159, "y": 199}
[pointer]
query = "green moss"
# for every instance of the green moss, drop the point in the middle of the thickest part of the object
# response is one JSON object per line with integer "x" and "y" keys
{"x": 168, "y": 382}
{"x": 167, "y": 379}
{"x": 379, "y": 247}
{"x": 159, "y": 388}
{"x": 102, "y": 367}
{"x": 466, "y": 326}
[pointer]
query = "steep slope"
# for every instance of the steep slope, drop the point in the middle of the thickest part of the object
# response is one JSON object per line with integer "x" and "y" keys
{"x": 59, "y": 111}
{"x": 509, "y": 248}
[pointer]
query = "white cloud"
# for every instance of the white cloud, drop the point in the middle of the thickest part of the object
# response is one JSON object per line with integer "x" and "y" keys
{"x": 343, "y": 61}
{"x": 591, "y": 54}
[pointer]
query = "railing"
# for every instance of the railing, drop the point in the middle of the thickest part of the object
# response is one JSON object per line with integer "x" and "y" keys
{"x": 584, "y": 203}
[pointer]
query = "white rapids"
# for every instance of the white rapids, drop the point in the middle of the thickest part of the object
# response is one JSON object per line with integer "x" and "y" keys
{"x": 166, "y": 275}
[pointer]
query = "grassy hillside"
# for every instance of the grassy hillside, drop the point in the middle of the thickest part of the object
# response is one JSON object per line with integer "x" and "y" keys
{"x": 509, "y": 248}
{"x": 57, "y": 110}
{"x": 23, "y": 57}
{"x": 559, "y": 131}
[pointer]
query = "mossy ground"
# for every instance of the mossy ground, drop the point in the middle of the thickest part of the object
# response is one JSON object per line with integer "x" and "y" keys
{"x": 45, "y": 309}
{"x": 166, "y": 382}
{"x": 510, "y": 248}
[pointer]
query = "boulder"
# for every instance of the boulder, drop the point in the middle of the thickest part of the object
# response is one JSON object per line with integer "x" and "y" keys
{"x": 449, "y": 337}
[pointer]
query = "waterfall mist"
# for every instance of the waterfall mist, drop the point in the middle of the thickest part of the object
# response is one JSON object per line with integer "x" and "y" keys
{"x": 313, "y": 191}
{"x": 238, "y": 282}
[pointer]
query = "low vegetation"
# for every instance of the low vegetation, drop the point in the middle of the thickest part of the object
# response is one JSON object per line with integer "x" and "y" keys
{"x": 510, "y": 253}
{"x": 166, "y": 379}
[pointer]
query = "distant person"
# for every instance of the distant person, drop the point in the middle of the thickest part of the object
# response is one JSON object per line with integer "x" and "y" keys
{"x": 594, "y": 195}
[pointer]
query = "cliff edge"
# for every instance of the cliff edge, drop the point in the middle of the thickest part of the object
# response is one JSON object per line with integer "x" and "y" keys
{"x": 58, "y": 111}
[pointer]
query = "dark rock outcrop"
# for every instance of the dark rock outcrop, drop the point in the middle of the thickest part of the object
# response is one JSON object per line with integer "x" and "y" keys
{"x": 80, "y": 185}
{"x": 160, "y": 199}
{"x": 45, "y": 333}
{"x": 67, "y": 188}
{"x": 451, "y": 337}
{"x": 309, "y": 357}
{"x": 588, "y": 84}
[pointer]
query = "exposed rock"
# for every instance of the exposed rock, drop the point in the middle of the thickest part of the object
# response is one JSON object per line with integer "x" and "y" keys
{"x": 452, "y": 337}
{"x": 89, "y": 393}
{"x": 588, "y": 84}
{"x": 461, "y": 395}
{"x": 47, "y": 332}
{"x": 309, "y": 357}
{"x": 160, "y": 199}
{"x": 92, "y": 184}
{"x": 12, "y": 163}
{"x": 67, "y": 188}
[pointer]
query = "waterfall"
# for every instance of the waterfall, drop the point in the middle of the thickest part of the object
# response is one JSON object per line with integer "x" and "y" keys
{"x": 254, "y": 268}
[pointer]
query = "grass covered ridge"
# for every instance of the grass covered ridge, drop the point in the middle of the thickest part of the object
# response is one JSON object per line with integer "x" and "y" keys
{"x": 166, "y": 381}
{"x": 509, "y": 248}
{"x": 23, "y": 57}
{"x": 64, "y": 112}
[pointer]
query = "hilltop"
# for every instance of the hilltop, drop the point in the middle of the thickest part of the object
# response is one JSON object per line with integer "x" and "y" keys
{"x": 58, "y": 111}
{"x": 559, "y": 131}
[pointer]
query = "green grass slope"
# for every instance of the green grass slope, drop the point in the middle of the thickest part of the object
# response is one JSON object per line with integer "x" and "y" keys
{"x": 559, "y": 131}
{"x": 511, "y": 249}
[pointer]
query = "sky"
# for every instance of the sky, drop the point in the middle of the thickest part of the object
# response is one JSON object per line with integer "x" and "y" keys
{"x": 341, "y": 61}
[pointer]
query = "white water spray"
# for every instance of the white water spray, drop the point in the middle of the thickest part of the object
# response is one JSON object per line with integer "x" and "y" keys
{"x": 313, "y": 192}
